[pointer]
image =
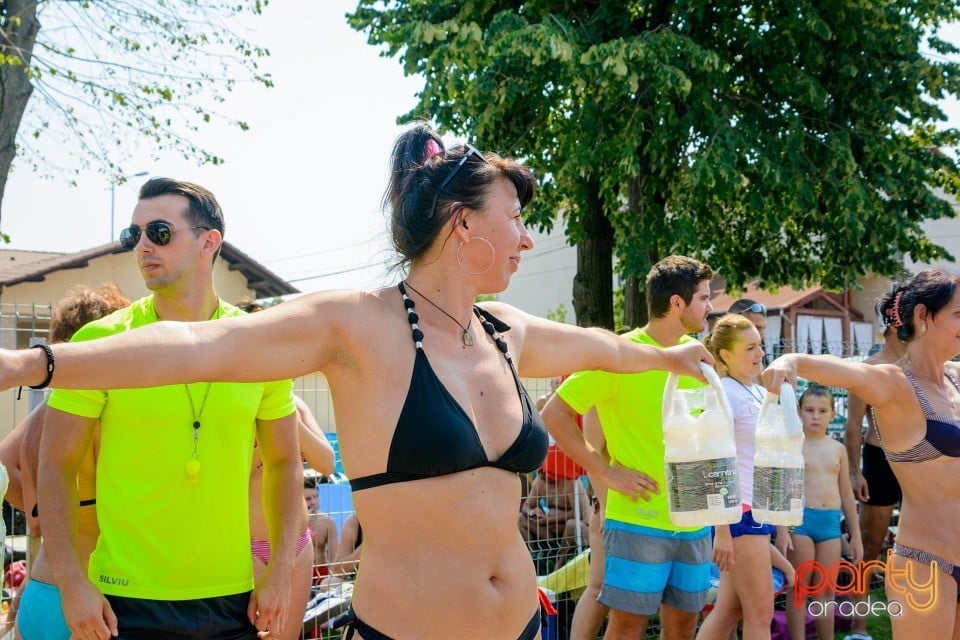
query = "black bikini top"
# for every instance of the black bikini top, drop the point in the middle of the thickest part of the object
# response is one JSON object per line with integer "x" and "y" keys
{"x": 436, "y": 437}
{"x": 942, "y": 437}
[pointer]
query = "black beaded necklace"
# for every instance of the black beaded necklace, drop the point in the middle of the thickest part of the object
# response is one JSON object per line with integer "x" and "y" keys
{"x": 484, "y": 322}
{"x": 467, "y": 338}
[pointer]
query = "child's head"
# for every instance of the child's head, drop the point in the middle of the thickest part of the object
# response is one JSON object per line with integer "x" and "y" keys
{"x": 816, "y": 408}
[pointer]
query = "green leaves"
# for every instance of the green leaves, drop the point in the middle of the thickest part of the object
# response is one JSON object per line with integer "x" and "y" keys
{"x": 787, "y": 141}
{"x": 139, "y": 70}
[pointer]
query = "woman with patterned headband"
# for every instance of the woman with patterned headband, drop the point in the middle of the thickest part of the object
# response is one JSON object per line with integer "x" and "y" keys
{"x": 915, "y": 405}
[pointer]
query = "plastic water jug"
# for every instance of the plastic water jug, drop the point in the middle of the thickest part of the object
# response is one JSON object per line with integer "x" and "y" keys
{"x": 778, "y": 462}
{"x": 703, "y": 487}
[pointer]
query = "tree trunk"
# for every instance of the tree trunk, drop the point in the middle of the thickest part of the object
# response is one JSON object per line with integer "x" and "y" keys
{"x": 15, "y": 87}
{"x": 634, "y": 302}
{"x": 593, "y": 284}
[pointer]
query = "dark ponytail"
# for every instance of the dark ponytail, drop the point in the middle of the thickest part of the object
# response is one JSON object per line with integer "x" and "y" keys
{"x": 419, "y": 165}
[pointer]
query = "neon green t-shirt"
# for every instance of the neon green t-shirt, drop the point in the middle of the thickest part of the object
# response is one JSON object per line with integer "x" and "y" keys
{"x": 163, "y": 535}
{"x": 630, "y": 410}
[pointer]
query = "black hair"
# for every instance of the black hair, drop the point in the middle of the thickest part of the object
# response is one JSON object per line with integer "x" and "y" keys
{"x": 417, "y": 207}
{"x": 933, "y": 288}
{"x": 674, "y": 275}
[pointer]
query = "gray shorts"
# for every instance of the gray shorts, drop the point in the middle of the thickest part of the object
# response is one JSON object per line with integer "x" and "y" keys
{"x": 645, "y": 567}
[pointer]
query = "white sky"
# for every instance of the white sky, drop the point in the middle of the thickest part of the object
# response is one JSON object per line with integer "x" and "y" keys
{"x": 301, "y": 190}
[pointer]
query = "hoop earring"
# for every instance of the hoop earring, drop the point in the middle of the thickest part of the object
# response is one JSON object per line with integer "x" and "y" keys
{"x": 493, "y": 256}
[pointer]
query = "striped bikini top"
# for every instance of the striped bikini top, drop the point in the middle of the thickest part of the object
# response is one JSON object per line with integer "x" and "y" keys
{"x": 943, "y": 434}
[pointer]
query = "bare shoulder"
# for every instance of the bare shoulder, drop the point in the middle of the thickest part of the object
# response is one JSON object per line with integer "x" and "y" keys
{"x": 341, "y": 311}
{"x": 881, "y": 357}
{"x": 505, "y": 312}
{"x": 837, "y": 448}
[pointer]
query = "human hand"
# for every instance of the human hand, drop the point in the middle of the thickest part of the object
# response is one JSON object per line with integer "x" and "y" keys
{"x": 783, "y": 369}
{"x": 685, "y": 360}
{"x": 87, "y": 612}
{"x": 633, "y": 484}
{"x": 783, "y": 541}
{"x": 791, "y": 577}
{"x": 859, "y": 485}
{"x": 723, "y": 548}
{"x": 856, "y": 549}
{"x": 269, "y": 602}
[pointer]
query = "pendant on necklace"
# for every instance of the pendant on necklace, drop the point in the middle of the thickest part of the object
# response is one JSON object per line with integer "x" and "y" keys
{"x": 193, "y": 470}
{"x": 467, "y": 339}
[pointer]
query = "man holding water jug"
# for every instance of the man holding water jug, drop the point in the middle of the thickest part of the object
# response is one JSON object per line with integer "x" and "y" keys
{"x": 651, "y": 563}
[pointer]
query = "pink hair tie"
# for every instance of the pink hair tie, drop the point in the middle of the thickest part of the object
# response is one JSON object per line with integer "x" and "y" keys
{"x": 432, "y": 148}
{"x": 897, "y": 320}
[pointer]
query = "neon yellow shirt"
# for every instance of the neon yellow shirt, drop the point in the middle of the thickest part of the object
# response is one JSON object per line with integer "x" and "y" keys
{"x": 629, "y": 407}
{"x": 164, "y": 536}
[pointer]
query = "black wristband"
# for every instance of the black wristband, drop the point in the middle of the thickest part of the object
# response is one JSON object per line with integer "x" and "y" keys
{"x": 50, "y": 364}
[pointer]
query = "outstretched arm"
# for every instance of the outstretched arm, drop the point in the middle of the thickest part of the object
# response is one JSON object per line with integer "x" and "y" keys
{"x": 874, "y": 384}
{"x": 285, "y": 341}
{"x": 554, "y": 348}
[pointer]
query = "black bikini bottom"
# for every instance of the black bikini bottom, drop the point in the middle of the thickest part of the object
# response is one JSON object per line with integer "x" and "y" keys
{"x": 530, "y": 632}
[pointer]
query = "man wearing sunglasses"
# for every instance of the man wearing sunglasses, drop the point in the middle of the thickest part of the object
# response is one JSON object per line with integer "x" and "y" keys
{"x": 752, "y": 311}
{"x": 173, "y": 557}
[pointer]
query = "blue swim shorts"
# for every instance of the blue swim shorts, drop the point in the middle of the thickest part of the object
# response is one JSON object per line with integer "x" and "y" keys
{"x": 40, "y": 615}
{"x": 646, "y": 566}
{"x": 750, "y": 527}
{"x": 820, "y": 525}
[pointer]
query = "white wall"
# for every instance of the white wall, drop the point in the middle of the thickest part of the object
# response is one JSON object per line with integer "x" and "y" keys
{"x": 946, "y": 233}
{"x": 545, "y": 278}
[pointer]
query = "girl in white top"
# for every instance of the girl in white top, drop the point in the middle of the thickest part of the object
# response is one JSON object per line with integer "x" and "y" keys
{"x": 742, "y": 550}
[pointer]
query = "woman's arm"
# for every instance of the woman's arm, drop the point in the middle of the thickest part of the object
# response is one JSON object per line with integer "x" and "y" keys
{"x": 553, "y": 348}
{"x": 293, "y": 338}
{"x": 723, "y": 547}
{"x": 11, "y": 457}
{"x": 875, "y": 384}
{"x": 348, "y": 551}
{"x": 314, "y": 446}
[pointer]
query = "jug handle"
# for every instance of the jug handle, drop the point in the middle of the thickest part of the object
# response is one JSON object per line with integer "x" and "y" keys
{"x": 711, "y": 375}
{"x": 673, "y": 380}
{"x": 791, "y": 410}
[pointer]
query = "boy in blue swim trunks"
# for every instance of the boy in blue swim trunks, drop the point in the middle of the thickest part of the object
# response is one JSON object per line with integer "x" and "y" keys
{"x": 828, "y": 493}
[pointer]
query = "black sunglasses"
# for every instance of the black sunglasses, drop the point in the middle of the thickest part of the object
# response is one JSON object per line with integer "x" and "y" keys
{"x": 471, "y": 151}
{"x": 158, "y": 232}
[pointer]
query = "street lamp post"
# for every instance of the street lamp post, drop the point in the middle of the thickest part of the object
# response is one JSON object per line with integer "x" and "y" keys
{"x": 113, "y": 199}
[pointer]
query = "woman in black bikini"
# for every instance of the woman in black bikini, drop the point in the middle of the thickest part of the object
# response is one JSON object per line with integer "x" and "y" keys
{"x": 916, "y": 405}
{"x": 433, "y": 422}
